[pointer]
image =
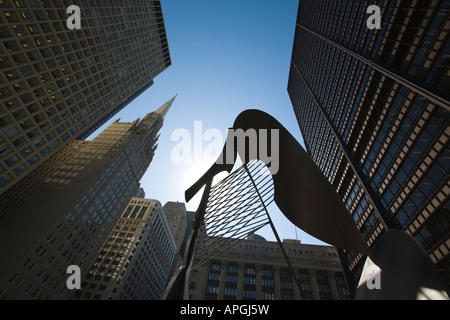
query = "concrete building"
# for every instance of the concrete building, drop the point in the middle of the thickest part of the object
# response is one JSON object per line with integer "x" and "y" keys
{"x": 190, "y": 216}
{"x": 373, "y": 108}
{"x": 176, "y": 215}
{"x": 59, "y": 84}
{"x": 256, "y": 270}
{"x": 61, "y": 213}
{"x": 135, "y": 260}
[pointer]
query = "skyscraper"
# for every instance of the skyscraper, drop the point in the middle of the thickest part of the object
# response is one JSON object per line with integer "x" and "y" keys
{"x": 373, "y": 108}
{"x": 255, "y": 269}
{"x": 60, "y": 214}
{"x": 190, "y": 217}
{"x": 135, "y": 260}
{"x": 176, "y": 215}
{"x": 60, "y": 84}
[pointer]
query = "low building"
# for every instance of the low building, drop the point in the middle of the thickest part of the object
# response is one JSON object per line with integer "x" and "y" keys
{"x": 257, "y": 270}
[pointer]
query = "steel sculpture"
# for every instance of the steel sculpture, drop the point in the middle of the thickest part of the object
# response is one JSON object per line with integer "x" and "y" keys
{"x": 304, "y": 196}
{"x": 236, "y": 208}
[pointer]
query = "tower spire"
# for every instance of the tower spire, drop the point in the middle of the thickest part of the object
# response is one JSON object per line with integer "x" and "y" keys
{"x": 165, "y": 107}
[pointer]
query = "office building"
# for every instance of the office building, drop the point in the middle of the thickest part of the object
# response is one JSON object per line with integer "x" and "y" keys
{"x": 255, "y": 269}
{"x": 176, "y": 215}
{"x": 190, "y": 217}
{"x": 60, "y": 84}
{"x": 135, "y": 260}
{"x": 373, "y": 108}
{"x": 177, "y": 218}
{"x": 61, "y": 213}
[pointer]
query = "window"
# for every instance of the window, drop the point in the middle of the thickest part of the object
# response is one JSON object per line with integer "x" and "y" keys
{"x": 267, "y": 271}
{"x": 230, "y": 292}
{"x": 19, "y": 169}
{"x": 267, "y": 282}
{"x": 11, "y": 132}
{"x": 4, "y": 179}
{"x": 250, "y": 270}
{"x": 11, "y": 160}
{"x": 231, "y": 278}
{"x": 216, "y": 266}
{"x": 249, "y": 294}
{"x": 286, "y": 287}
{"x": 267, "y": 295}
{"x": 212, "y": 289}
{"x": 305, "y": 284}
{"x": 32, "y": 160}
{"x": 233, "y": 268}
{"x": 214, "y": 276}
{"x": 341, "y": 285}
{"x": 324, "y": 285}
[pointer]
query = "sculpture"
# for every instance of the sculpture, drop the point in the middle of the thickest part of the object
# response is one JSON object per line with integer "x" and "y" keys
{"x": 307, "y": 199}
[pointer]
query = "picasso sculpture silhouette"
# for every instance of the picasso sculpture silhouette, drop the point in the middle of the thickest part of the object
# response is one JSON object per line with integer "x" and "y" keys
{"x": 305, "y": 196}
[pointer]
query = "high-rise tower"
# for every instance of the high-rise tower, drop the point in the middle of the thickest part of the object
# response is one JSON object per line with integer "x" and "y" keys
{"x": 135, "y": 260}
{"x": 373, "y": 107}
{"x": 60, "y": 84}
{"x": 60, "y": 214}
{"x": 176, "y": 216}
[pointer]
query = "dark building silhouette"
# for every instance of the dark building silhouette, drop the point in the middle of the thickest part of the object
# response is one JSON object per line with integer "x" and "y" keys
{"x": 61, "y": 213}
{"x": 58, "y": 84}
{"x": 373, "y": 108}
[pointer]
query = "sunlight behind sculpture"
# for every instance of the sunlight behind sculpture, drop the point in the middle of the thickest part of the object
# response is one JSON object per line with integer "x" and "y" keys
{"x": 237, "y": 206}
{"x": 301, "y": 191}
{"x": 234, "y": 210}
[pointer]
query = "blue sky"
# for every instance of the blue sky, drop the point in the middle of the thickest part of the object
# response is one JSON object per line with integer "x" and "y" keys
{"x": 227, "y": 56}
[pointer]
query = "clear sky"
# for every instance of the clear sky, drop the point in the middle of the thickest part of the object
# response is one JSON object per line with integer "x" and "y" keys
{"x": 227, "y": 56}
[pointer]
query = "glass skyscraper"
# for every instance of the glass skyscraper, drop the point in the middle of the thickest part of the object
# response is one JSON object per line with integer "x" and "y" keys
{"x": 373, "y": 108}
{"x": 60, "y": 84}
{"x": 61, "y": 213}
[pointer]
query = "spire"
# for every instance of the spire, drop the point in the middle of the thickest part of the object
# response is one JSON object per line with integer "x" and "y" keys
{"x": 165, "y": 108}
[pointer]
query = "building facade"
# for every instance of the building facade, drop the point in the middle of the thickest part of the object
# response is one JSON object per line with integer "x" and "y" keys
{"x": 58, "y": 84}
{"x": 373, "y": 108}
{"x": 176, "y": 215}
{"x": 190, "y": 217}
{"x": 60, "y": 214}
{"x": 257, "y": 270}
{"x": 135, "y": 260}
